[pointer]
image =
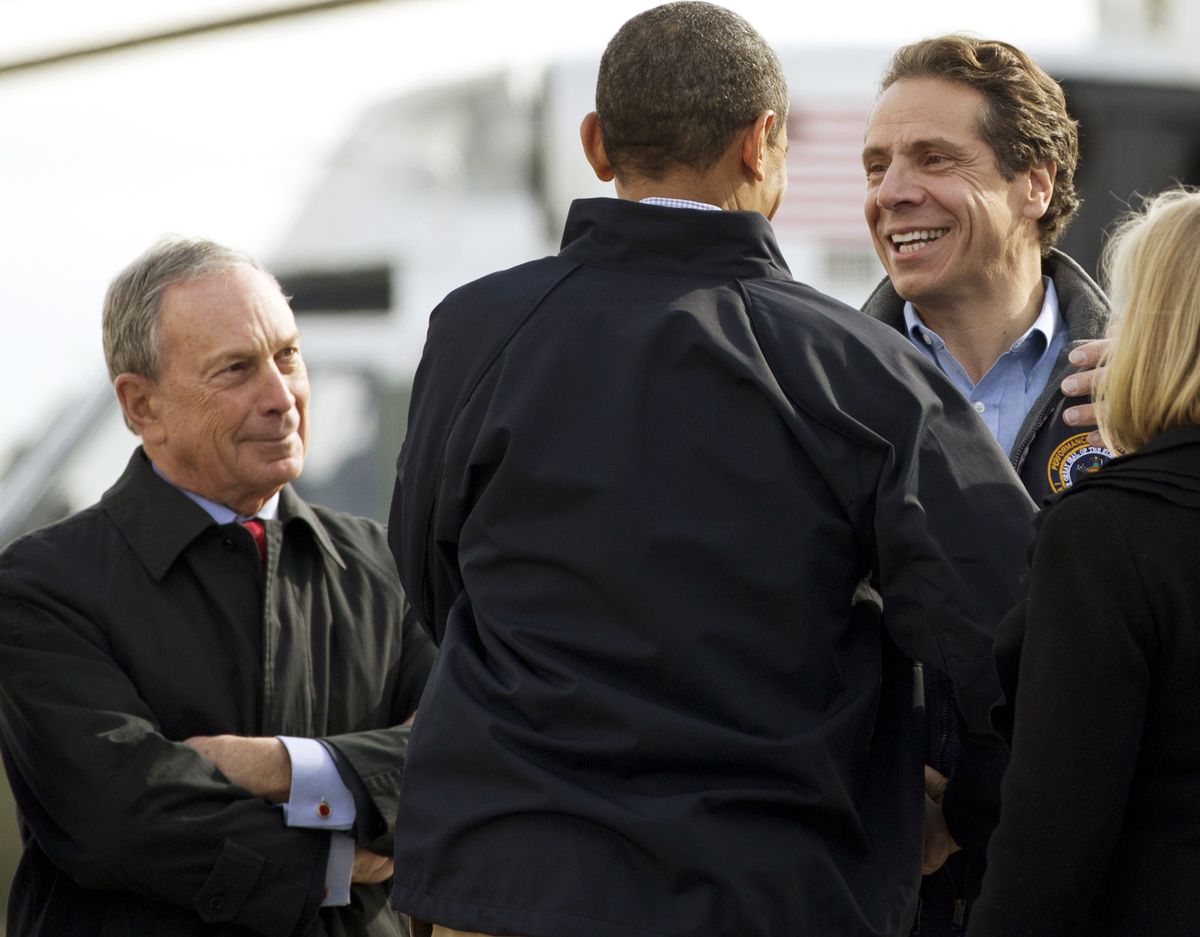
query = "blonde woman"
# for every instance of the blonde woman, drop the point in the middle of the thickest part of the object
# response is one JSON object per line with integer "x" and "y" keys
{"x": 1100, "y": 821}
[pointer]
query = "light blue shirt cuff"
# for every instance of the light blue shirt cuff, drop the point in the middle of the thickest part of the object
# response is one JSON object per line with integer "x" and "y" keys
{"x": 319, "y": 800}
{"x": 338, "y": 870}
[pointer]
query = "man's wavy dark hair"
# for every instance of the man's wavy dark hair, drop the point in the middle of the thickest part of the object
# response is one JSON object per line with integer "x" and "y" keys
{"x": 1025, "y": 121}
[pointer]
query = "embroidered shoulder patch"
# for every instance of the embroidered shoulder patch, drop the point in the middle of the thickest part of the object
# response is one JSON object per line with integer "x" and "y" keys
{"x": 1074, "y": 460}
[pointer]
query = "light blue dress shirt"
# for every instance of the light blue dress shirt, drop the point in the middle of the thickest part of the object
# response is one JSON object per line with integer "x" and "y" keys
{"x": 318, "y": 799}
{"x": 1013, "y": 384}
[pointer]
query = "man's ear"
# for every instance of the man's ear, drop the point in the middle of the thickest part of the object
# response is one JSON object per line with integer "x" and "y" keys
{"x": 754, "y": 144}
{"x": 1041, "y": 189}
{"x": 138, "y": 397}
{"x": 593, "y": 147}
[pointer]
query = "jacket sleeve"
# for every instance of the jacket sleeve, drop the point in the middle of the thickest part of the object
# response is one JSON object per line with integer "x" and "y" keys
{"x": 937, "y": 507}
{"x": 371, "y": 762}
{"x": 113, "y": 803}
{"x": 972, "y": 802}
{"x": 422, "y": 531}
{"x": 950, "y": 527}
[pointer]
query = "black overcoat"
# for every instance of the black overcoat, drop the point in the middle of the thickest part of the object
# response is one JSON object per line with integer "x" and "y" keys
{"x": 138, "y": 623}
{"x": 1100, "y": 811}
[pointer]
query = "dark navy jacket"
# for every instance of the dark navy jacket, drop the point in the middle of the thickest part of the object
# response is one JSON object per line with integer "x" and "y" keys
{"x": 643, "y": 482}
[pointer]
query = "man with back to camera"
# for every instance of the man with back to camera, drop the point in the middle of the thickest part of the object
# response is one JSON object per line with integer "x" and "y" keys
{"x": 970, "y": 157}
{"x": 204, "y": 679}
{"x": 643, "y": 482}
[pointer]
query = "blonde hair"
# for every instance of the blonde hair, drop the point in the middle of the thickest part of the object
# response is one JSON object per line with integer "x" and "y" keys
{"x": 1151, "y": 381}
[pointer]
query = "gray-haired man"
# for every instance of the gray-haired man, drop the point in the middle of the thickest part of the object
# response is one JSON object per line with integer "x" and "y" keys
{"x": 205, "y": 680}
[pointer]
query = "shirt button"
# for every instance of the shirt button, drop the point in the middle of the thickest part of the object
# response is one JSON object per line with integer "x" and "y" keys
{"x": 323, "y": 810}
{"x": 927, "y": 339}
{"x": 980, "y": 406}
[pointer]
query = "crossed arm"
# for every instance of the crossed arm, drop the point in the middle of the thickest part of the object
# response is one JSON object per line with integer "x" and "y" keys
{"x": 261, "y": 766}
{"x": 117, "y": 805}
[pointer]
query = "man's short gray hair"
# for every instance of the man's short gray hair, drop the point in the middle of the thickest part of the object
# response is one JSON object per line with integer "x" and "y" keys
{"x": 134, "y": 299}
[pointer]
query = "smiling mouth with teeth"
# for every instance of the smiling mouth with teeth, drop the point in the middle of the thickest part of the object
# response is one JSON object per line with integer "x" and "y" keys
{"x": 912, "y": 241}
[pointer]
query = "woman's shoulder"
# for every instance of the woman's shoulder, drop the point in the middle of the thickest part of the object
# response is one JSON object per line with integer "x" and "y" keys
{"x": 1164, "y": 474}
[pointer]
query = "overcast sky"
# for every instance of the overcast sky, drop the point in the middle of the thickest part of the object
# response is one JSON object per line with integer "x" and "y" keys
{"x": 220, "y": 135}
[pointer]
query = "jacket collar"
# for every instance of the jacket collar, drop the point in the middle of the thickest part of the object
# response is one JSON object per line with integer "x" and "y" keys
{"x": 885, "y": 304}
{"x": 295, "y": 511}
{"x": 1084, "y": 309}
{"x": 159, "y": 522}
{"x": 638, "y": 238}
{"x": 1082, "y": 303}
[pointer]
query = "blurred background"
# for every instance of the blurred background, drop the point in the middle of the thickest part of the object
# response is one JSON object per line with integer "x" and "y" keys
{"x": 378, "y": 153}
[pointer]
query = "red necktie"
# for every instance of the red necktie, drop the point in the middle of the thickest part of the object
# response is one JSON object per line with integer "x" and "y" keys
{"x": 259, "y": 533}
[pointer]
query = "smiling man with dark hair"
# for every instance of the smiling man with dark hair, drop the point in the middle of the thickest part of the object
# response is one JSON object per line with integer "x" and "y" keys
{"x": 970, "y": 159}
